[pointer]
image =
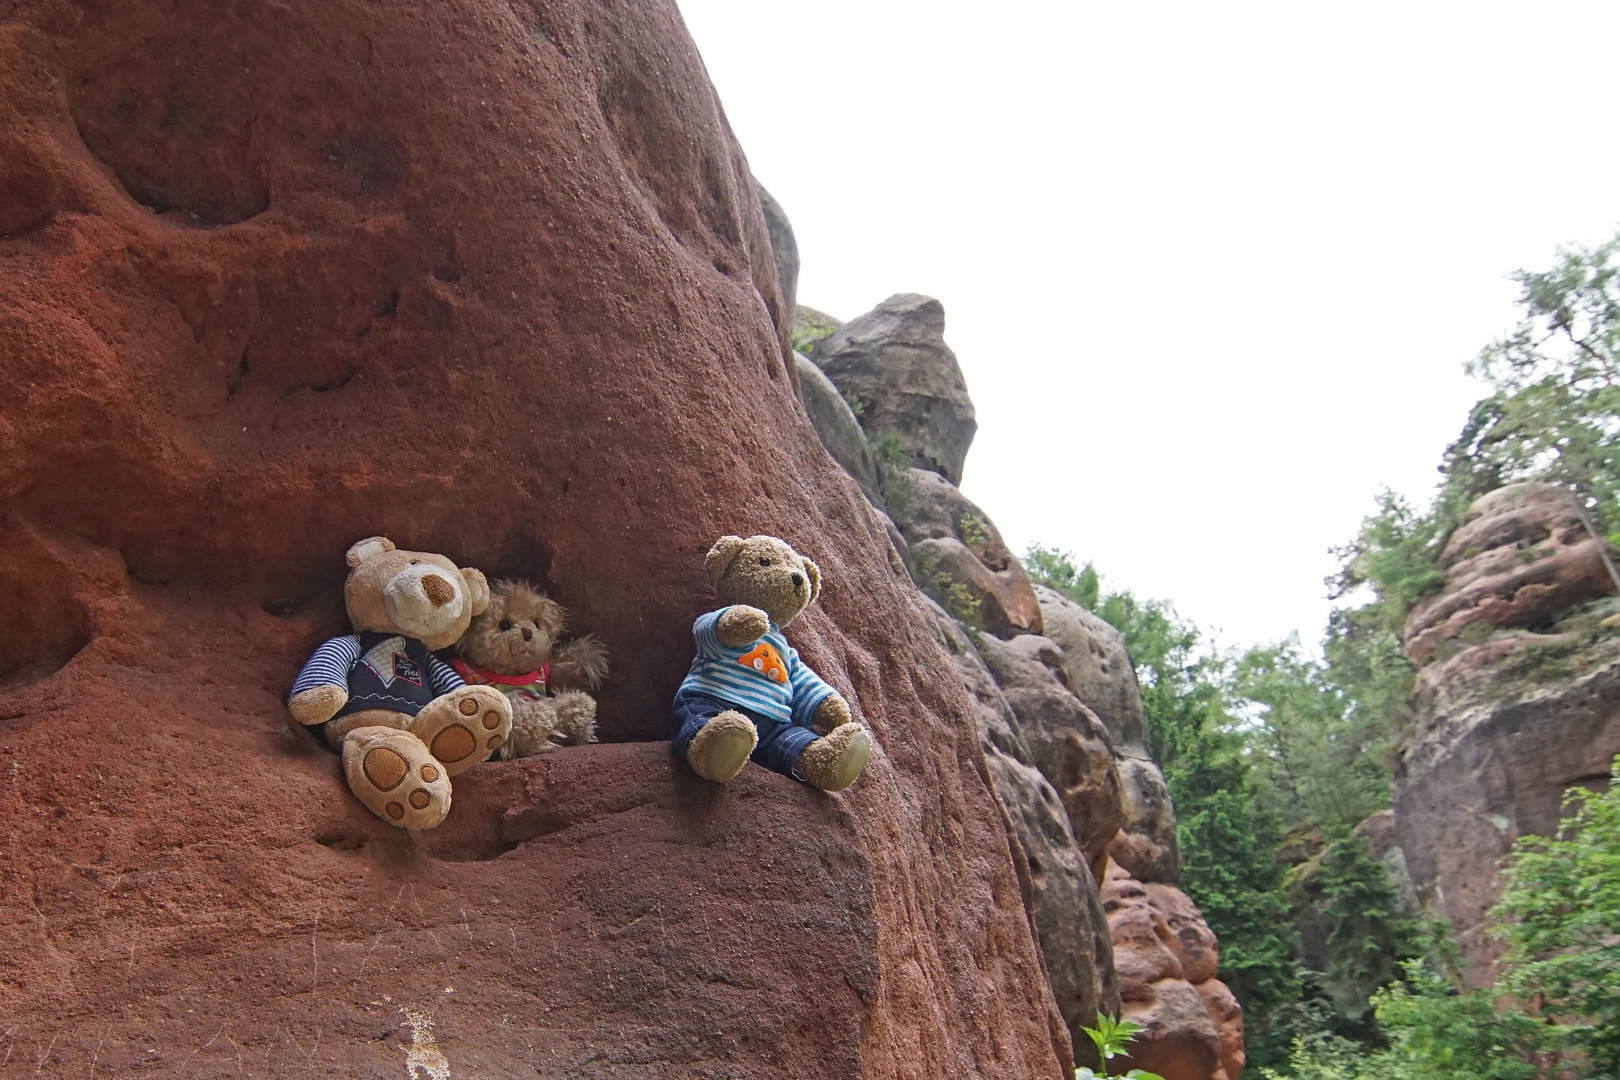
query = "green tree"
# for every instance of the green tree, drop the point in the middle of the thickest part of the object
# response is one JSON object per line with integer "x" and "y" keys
{"x": 1560, "y": 912}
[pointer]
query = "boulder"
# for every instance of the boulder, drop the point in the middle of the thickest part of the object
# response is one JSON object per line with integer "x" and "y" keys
{"x": 1069, "y": 918}
{"x": 1518, "y": 699}
{"x": 894, "y": 361}
{"x": 1066, "y": 740}
{"x": 1166, "y": 957}
{"x": 1097, "y": 664}
{"x": 959, "y": 556}
{"x": 1146, "y": 844}
{"x": 784, "y": 252}
{"x": 811, "y": 326}
{"x": 1522, "y": 557}
{"x": 837, "y": 428}
{"x": 490, "y": 279}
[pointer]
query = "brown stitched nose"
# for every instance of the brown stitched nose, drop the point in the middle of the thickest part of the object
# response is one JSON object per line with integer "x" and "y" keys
{"x": 528, "y": 635}
{"x": 439, "y": 591}
{"x": 798, "y": 579}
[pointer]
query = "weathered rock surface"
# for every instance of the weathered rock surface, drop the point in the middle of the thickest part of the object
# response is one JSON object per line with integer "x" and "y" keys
{"x": 1068, "y": 909}
{"x": 837, "y": 428}
{"x": 1097, "y": 664}
{"x": 895, "y": 362}
{"x": 489, "y": 278}
{"x": 1385, "y": 845}
{"x": 1146, "y": 844}
{"x": 954, "y": 544}
{"x": 1066, "y": 740}
{"x": 1166, "y": 958}
{"x": 784, "y": 252}
{"x": 1518, "y": 699}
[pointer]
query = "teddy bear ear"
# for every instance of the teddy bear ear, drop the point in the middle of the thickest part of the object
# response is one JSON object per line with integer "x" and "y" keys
{"x": 719, "y": 559}
{"x": 813, "y": 572}
{"x": 369, "y": 548}
{"x": 477, "y": 589}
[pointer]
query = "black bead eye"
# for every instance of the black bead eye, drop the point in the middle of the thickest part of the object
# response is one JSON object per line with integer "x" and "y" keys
{"x": 764, "y": 562}
{"x": 506, "y": 624}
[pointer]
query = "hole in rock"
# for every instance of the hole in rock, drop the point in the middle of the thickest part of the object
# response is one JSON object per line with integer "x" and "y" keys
{"x": 340, "y": 842}
{"x": 43, "y": 628}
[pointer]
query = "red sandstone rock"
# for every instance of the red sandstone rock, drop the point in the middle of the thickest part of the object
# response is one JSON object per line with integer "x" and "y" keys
{"x": 488, "y": 278}
{"x": 1166, "y": 957}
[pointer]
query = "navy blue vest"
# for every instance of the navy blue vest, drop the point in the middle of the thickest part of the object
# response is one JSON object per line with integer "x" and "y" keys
{"x": 392, "y": 673}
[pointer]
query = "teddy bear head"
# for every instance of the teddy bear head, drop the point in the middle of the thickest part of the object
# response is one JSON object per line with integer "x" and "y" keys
{"x": 763, "y": 572}
{"x": 516, "y": 633}
{"x": 414, "y": 593}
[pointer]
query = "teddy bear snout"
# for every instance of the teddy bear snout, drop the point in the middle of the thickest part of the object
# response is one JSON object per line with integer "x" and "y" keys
{"x": 422, "y": 601}
{"x": 440, "y": 592}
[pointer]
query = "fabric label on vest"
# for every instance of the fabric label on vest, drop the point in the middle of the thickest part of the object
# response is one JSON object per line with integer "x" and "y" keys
{"x": 388, "y": 661}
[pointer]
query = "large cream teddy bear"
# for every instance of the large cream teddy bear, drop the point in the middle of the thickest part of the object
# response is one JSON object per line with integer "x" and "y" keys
{"x": 748, "y": 695}
{"x": 404, "y": 721}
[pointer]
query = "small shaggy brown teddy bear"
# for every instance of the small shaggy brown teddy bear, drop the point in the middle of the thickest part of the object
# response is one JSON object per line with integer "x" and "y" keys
{"x": 747, "y": 694}
{"x": 404, "y": 722}
{"x": 512, "y": 646}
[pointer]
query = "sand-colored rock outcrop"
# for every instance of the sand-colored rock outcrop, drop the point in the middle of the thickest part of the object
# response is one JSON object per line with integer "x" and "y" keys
{"x": 1518, "y": 699}
{"x": 489, "y": 278}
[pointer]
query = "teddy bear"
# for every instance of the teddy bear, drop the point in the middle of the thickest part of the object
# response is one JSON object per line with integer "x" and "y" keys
{"x": 512, "y": 646}
{"x": 402, "y": 718}
{"x": 747, "y": 694}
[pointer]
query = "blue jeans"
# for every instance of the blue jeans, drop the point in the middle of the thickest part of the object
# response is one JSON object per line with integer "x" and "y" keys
{"x": 780, "y": 744}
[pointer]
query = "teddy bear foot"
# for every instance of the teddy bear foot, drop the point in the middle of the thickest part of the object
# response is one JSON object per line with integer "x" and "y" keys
{"x": 833, "y": 761}
{"x": 394, "y": 775}
{"x": 462, "y": 727}
{"x": 721, "y": 747}
{"x": 576, "y": 718}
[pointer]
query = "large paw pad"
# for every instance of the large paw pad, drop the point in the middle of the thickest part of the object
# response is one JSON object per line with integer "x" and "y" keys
{"x": 396, "y": 777}
{"x": 463, "y": 726}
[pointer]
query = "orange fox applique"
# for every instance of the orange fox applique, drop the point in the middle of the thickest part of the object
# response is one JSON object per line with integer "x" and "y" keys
{"x": 767, "y": 661}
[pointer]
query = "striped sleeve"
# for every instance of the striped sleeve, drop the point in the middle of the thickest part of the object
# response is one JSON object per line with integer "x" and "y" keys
{"x": 329, "y": 666}
{"x": 809, "y": 689}
{"x": 705, "y": 633}
{"x": 443, "y": 678}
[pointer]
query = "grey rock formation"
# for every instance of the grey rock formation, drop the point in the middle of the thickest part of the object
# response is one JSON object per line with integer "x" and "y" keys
{"x": 837, "y": 427}
{"x": 1069, "y": 744}
{"x": 894, "y": 361}
{"x": 1518, "y": 699}
{"x": 784, "y": 251}
{"x": 1146, "y": 844}
{"x": 955, "y": 546}
{"x": 1069, "y": 917}
{"x": 1097, "y": 664}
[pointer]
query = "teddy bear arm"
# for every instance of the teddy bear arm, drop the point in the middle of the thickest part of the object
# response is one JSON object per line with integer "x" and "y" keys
{"x": 741, "y": 624}
{"x": 580, "y": 663}
{"x": 833, "y": 712}
{"x": 318, "y": 704}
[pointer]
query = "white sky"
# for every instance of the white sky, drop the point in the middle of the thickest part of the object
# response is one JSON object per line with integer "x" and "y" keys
{"x": 1211, "y": 269}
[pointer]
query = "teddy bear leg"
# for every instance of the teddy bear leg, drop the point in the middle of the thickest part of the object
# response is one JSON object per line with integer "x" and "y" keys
{"x": 833, "y": 761}
{"x": 720, "y": 747}
{"x": 394, "y": 775}
{"x": 534, "y": 722}
{"x": 576, "y": 718}
{"x": 462, "y": 727}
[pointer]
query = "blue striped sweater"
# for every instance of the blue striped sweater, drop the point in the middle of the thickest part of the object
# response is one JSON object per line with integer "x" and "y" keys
{"x": 764, "y": 676}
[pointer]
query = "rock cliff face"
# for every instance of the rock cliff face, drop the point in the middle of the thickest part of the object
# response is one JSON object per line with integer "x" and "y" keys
{"x": 490, "y": 278}
{"x": 1518, "y": 698}
{"x": 1059, "y": 720}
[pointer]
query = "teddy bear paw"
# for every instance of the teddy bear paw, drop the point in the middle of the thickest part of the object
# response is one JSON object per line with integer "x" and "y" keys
{"x": 392, "y": 772}
{"x": 833, "y": 761}
{"x": 463, "y": 727}
{"x": 721, "y": 747}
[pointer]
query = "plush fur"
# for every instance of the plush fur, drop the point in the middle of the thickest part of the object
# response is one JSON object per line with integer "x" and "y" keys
{"x": 763, "y": 580}
{"x": 518, "y": 633}
{"x": 400, "y": 765}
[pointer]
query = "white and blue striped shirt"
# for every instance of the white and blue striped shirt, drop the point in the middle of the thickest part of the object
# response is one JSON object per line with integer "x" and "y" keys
{"x": 764, "y": 676}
